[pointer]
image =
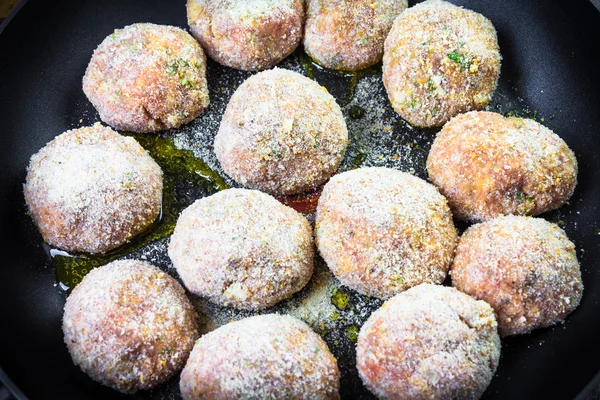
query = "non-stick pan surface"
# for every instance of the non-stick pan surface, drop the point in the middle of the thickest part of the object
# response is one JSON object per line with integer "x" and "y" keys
{"x": 550, "y": 70}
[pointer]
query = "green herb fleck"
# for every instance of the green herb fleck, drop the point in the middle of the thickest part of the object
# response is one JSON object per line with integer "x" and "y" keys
{"x": 352, "y": 333}
{"x": 187, "y": 83}
{"x": 340, "y": 298}
{"x": 172, "y": 69}
{"x": 430, "y": 85}
{"x": 461, "y": 59}
{"x": 276, "y": 151}
{"x": 519, "y": 196}
{"x": 356, "y": 112}
{"x": 360, "y": 158}
{"x": 413, "y": 104}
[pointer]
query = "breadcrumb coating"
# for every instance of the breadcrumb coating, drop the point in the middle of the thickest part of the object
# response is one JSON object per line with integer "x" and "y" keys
{"x": 440, "y": 60}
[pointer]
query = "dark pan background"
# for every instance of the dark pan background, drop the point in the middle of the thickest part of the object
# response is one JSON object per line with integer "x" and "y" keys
{"x": 551, "y": 53}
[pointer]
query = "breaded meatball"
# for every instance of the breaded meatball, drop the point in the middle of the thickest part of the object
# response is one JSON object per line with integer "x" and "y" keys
{"x": 488, "y": 165}
{"x": 282, "y": 133}
{"x": 382, "y": 231}
{"x": 146, "y": 78}
{"x": 242, "y": 248}
{"x": 430, "y": 342}
{"x": 526, "y": 268}
{"x": 440, "y": 60}
{"x": 263, "y": 357}
{"x": 247, "y": 34}
{"x": 91, "y": 190}
{"x": 348, "y": 35}
{"x": 128, "y": 325}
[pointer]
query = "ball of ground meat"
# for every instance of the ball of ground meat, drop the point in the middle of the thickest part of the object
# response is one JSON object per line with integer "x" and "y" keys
{"x": 242, "y": 248}
{"x": 430, "y": 342}
{"x": 382, "y": 231}
{"x": 488, "y": 165}
{"x": 348, "y": 35}
{"x": 91, "y": 190}
{"x": 128, "y": 325}
{"x": 526, "y": 268}
{"x": 146, "y": 78}
{"x": 247, "y": 34}
{"x": 262, "y": 357}
{"x": 440, "y": 60}
{"x": 281, "y": 133}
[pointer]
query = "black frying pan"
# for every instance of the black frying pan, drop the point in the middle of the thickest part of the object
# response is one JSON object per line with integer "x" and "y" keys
{"x": 550, "y": 70}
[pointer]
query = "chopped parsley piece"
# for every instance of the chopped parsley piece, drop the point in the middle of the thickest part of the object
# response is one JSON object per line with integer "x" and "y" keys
{"x": 188, "y": 84}
{"x": 360, "y": 158}
{"x": 430, "y": 85}
{"x": 352, "y": 333}
{"x": 461, "y": 59}
{"x": 363, "y": 41}
{"x": 172, "y": 69}
{"x": 521, "y": 196}
{"x": 356, "y": 112}
{"x": 340, "y": 298}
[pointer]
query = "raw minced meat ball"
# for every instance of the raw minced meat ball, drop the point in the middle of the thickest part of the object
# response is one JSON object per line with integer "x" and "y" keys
{"x": 247, "y": 34}
{"x": 281, "y": 133}
{"x": 128, "y": 325}
{"x": 91, "y": 190}
{"x": 147, "y": 77}
{"x": 526, "y": 268}
{"x": 430, "y": 342}
{"x": 262, "y": 357}
{"x": 348, "y": 35}
{"x": 440, "y": 60}
{"x": 382, "y": 231}
{"x": 242, "y": 248}
{"x": 488, "y": 165}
